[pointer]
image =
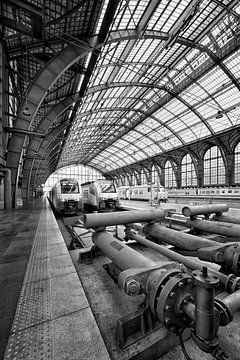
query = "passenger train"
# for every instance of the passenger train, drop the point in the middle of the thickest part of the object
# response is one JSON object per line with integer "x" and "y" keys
{"x": 207, "y": 191}
{"x": 99, "y": 195}
{"x": 66, "y": 196}
{"x": 155, "y": 193}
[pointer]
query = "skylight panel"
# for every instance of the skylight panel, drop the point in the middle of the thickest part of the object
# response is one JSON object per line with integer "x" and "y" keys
{"x": 219, "y": 124}
{"x": 233, "y": 64}
{"x": 176, "y": 107}
{"x": 164, "y": 115}
{"x": 187, "y": 135}
{"x": 102, "y": 15}
{"x": 194, "y": 94}
{"x": 207, "y": 108}
{"x": 228, "y": 97}
{"x": 213, "y": 80}
{"x": 177, "y": 125}
{"x": 200, "y": 130}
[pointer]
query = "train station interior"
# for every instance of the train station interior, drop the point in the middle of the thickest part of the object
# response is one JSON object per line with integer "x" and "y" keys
{"x": 119, "y": 179}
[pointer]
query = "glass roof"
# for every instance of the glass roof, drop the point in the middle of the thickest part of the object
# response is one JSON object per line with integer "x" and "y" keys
{"x": 167, "y": 75}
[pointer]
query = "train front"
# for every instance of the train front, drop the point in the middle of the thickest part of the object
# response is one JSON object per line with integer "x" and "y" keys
{"x": 107, "y": 195}
{"x": 70, "y": 198}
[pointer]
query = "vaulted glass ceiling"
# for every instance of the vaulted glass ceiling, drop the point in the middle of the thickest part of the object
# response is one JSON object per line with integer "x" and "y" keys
{"x": 168, "y": 75}
{"x": 141, "y": 78}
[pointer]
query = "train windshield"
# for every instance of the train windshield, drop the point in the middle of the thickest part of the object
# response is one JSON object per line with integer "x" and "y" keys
{"x": 69, "y": 187}
{"x": 108, "y": 188}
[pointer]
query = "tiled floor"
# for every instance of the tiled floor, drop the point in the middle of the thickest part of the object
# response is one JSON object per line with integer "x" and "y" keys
{"x": 17, "y": 230}
{"x": 44, "y": 313}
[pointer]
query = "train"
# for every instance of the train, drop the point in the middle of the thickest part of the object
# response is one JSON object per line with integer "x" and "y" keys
{"x": 99, "y": 195}
{"x": 155, "y": 193}
{"x": 207, "y": 191}
{"x": 66, "y": 196}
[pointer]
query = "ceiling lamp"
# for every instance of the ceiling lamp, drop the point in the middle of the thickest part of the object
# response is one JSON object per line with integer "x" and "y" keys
{"x": 26, "y": 111}
{"x": 219, "y": 114}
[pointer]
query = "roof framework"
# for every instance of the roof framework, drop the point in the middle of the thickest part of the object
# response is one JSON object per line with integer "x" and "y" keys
{"x": 111, "y": 85}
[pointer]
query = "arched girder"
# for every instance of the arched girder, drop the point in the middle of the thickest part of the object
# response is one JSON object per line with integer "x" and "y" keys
{"x": 144, "y": 85}
{"x": 48, "y": 140}
{"x": 37, "y": 90}
{"x": 122, "y": 35}
{"x": 44, "y": 124}
{"x": 86, "y": 113}
{"x": 127, "y": 152}
{"x": 103, "y": 87}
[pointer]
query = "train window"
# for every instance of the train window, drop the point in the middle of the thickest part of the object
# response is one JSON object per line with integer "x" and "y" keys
{"x": 236, "y": 191}
{"x": 85, "y": 193}
{"x": 229, "y": 191}
{"x": 136, "y": 192}
{"x": 108, "y": 188}
{"x": 68, "y": 187}
{"x": 91, "y": 191}
{"x": 149, "y": 189}
{"x": 140, "y": 192}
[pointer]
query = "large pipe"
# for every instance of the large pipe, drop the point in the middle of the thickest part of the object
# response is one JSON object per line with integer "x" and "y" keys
{"x": 204, "y": 209}
{"x": 215, "y": 227}
{"x": 227, "y": 219}
{"x": 121, "y": 254}
{"x": 232, "y": 301}
{"x": 122, "y": 217}
{"x": 191, "y": 264}
{"x": 176, "y": 238}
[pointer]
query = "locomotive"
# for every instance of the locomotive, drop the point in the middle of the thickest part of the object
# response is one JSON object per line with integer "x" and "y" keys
{"x": 66, "y": 196}
{"x": 99, "y": 195}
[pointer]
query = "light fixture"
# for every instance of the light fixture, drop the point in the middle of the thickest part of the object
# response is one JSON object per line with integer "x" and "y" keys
{"x": 26, "y": 111}
{"x": 219, "y": 114}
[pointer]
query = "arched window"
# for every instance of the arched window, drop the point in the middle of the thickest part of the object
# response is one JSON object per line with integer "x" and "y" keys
{"x": 188, "y": 172}
{"x": 170, "y": 179}
{"x": 154, "y": 175}
{"x": 214, "y": 169}
{"x": 143, "y": 177}
{"x": 237, "y": 164}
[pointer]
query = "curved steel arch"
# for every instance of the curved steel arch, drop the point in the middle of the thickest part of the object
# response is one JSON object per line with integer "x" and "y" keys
{"x": 120, "y": 35}
{"x": 44, "y": 124}
{"x": 37, "y": 90}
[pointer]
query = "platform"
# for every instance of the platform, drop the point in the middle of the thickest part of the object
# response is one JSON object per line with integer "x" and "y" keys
{"x": 54, "y": 308}
{"x": 53, "y": 319}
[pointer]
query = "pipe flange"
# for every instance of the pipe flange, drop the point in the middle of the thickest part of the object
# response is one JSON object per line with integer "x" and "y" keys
{"x": 225, "y": 315}
{"x": 204, "y": 345}
{"x": 236, "y": 262}
{"x": 167, "y": 305}
{"x": 156, "y": 283}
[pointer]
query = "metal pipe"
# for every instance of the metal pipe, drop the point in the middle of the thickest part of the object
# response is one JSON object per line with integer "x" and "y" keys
{"x": 204, "y": 310}
{"x": 226, "y": 218}
{"x": 216, "y": 227}
{"x": 121, "y": 254}
{"x": 176, "y": 238}
{"x": 191, "y": 264}
{"x": 232, "y": 301}
{"x": 204, "y": 209}
{"x": 122, "y": 217}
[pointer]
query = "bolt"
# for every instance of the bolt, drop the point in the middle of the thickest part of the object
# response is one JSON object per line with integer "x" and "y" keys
{"x": 172, "y": 294}
{"x": 180, "y": 284}
{"x": 167, "y": 320}
{"x": 189, "y": 281}
{"x": 166, "y": 307}
{"x": 132, "y": 287}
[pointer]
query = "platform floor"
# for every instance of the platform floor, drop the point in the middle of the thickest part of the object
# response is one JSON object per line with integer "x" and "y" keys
{"x": 44, "y": 313}
{"x": 49, "y": 302}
